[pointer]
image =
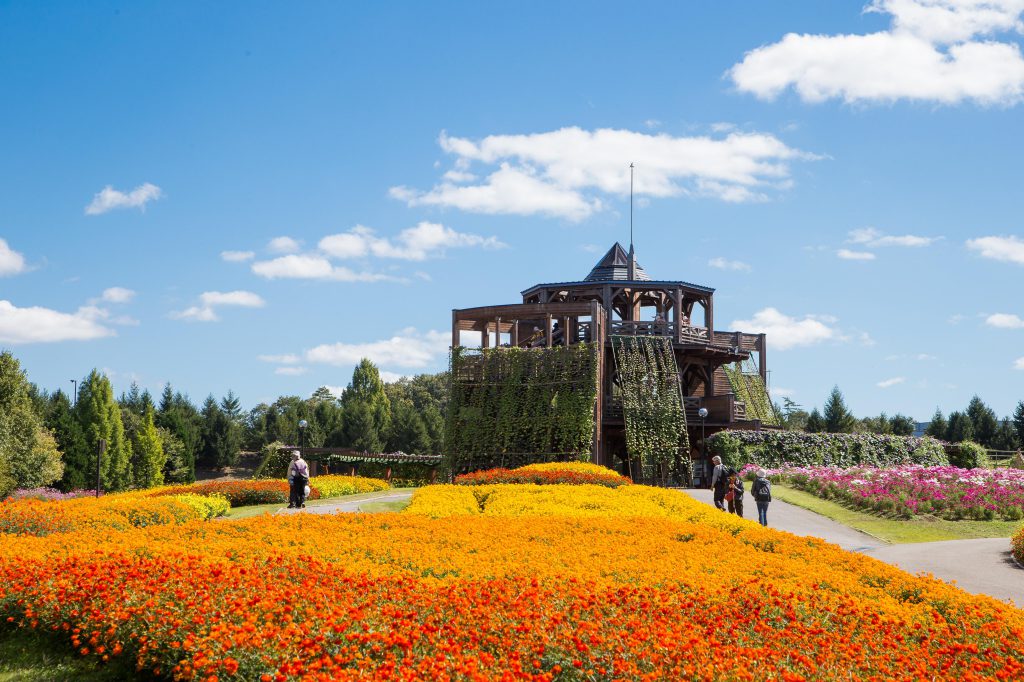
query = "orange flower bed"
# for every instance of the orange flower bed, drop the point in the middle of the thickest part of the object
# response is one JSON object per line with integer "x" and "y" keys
{"x": 239, "y": 493}
{"x": 679, "y": 591}
{"x": 555, "y": 473}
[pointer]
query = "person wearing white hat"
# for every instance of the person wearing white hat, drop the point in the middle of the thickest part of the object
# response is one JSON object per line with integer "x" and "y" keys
{"x": 298, "y": 479}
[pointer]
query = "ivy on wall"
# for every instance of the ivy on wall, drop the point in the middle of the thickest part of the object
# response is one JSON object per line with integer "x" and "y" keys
{"x": 652, "y": 404}
{"x": 514, "y": 406}
{"x": 749, "y": 388}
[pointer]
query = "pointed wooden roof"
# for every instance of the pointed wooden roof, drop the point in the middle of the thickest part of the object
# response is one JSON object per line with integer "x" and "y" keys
{"x": 614, "y": 266}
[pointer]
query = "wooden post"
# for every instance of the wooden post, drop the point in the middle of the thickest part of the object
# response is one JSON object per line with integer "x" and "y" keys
{"x": 677, "y": 314}
{"x": 514, "y": 333}
{"x": 762, "y": 347}
{"x": 387, "y": 475}
{"x": 485, "y": 338}
{"x": 497, "y": 332}
{"x": 455, "y": 329}
{"x": 549, "y": 333}
{"x": 352, "y": 469}
{"x": 709, "y": 313}
{"x": 433, "y": 475}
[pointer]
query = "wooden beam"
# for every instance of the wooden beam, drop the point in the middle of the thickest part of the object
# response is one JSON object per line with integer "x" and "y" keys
{"x": 515, "y": 333}
{"x": 547, "y": 329}
{"x": 455, "y": 329}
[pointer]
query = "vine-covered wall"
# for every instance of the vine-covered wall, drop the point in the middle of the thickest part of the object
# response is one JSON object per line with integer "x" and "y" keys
{"x": 749, "y": 387}
{"x": 516, "y": 406}
{"x": 652, "y": 404}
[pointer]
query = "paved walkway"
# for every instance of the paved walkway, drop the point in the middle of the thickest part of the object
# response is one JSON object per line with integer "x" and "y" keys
{"x": 348, "y": 506}
{"x": 979, "y": 566}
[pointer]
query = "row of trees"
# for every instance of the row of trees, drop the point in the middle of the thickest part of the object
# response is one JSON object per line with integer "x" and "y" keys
{"x": 52, "y": 438}
{"x": 977, "y": 423}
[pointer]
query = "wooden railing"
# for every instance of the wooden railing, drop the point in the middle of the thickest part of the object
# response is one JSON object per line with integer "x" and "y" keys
{"x": 723, "y": 408}
{"x": 681, "y": 333}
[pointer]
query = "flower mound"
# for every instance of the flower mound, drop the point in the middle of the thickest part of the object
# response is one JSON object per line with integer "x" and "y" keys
{"x": 945, "y": 491}
{"x": 1017, "y": 546}
{"x": 551, "y": 473}
{"x": 509, "y": 582}
{"x": 113, "y": 512}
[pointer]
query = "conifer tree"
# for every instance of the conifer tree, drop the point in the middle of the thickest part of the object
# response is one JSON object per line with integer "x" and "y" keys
{"x": 815, "y": 422}
{"x": 838, "y": 418}
{"x": 937, "y": 427}
{"x": 148, "y": 456}
{"x": 63, "y": 422}
{"x": 959, "y": 428}
{"x": 1018, "y": 422}
{"x": 984, "y": 422}
{"x": 408, "y": 432}
{"x": 100, "y": 418}
{"x": 28, "y": 451}
{"x": 366, "y": 409}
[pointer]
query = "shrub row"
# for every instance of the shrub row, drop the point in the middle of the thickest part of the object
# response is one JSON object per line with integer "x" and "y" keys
{"x": 553, "y": 473}
{"x": 773, "y": 449}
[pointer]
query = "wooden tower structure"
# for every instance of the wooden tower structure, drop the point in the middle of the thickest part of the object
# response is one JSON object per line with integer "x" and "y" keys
{"x": 619, "y": 298}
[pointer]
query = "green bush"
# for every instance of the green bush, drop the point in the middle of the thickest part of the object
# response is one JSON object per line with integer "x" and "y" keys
{"x": 274, "y": 461}
{"x": 968, "y": 455}
{"x": 773, "y": 449}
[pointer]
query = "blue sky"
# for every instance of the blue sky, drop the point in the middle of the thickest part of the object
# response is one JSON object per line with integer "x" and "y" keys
{"x": 250, "y": 196}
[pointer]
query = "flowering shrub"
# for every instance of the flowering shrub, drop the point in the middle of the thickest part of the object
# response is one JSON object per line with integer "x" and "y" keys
{"x": 1017, "y": 546}
{"x": 572, "y": 473}
{"x": 238, "y": 493}
{"x": 947, "y": 492}
{"x": 335, "y": 486}
{"x": 50, "y": 494}
{"x": 778, "y": 448}
{"x": 677, "y": 590}
{"x": 111, "y": 512}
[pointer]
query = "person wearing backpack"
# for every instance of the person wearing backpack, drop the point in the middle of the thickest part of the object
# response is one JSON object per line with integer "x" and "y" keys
{"x": 762, "y": 493}
{"x": 718, "y": 482}
{"x": 298, "y": 479}
{"x": 735, "y": 494}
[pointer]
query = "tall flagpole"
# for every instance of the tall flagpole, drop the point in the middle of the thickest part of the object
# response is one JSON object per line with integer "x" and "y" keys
{"x": 630, "y": 205}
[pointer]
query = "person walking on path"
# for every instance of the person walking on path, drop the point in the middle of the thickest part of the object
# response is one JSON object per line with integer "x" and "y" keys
{"x": 718, "y": 482}
{"x": 735, "y": 499}
{"x": 762, "y": 494}
{"x": 298, "y": 479}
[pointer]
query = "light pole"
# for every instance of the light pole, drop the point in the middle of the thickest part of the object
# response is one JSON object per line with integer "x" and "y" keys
{"x": 302, "y": 433}
{"x": 74, "y": 401}
{"x": 703, "y": 414}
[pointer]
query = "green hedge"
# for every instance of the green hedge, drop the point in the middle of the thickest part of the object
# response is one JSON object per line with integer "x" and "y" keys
{"x": 773, "y": 449}
{"x": 968, "y": 455}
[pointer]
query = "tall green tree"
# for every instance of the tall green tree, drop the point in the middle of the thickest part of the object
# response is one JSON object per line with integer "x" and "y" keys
{"x": 959, "y": 428}
{"x": 28, "y": 451}
{"x": 938, "y": 426}
{"x": 179, "y": 416}
{"x": 148, "y": 456}
{"x": 983, "y": 421}
{"x": 815, "y": 422}
{"x": 222, "y": 436}
{"x": 63, "y": 422}
{"x": 838, "y": 418}
{"x": 408, "y": 432}
{"x": 231, "y": 406}
{"x": 100, "y": 417}
{"x": 1005, "y": 437}
{"x": 366, "y": 409}
{"x": 1018, "y": 422}
{"x": 902, "y": 425}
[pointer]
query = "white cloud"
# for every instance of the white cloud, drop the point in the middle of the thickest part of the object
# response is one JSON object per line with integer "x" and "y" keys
{"x": 779, "y": 392}
{"x": 866, "y": 340}
{"x": 415, "y": 243}
{"x": 336, "y": 391}
{"x": 287, "y": 359}
{"x": 11, "y": 262}
{"x": 283, "y": 245}
{"x": 872, "y": 238}
{"x": 391, "y": 377}
{"x": 43, "y": 325}
{"x": 723, "y": 264}
{"x": 117, "y": 295}
{"x": 999, "y": 248}
{"x": 406, "y": 349}
{"x": 786, "y": 332}
{"x": 924, "y": 356}
{"x": 108, "y": 198}
{"x": 210, "y": 300}
{"x": 311, "y": 267}
{"x": 562, "y": 173}
{"x": 887, "y": 383}
{"x": 290, "y": 371}
{"x": 847, "y": 254}
{"x": 934, "y": 51}
{"x": 1004, "y": 321}
{"x": 652, "y": 123}
{"x": 1018, "y": 363}
{"x": 237, "y": 256}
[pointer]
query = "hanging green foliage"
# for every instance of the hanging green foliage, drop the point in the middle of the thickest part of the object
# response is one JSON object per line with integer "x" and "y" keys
{"x": 749, "y": 388}
{"x": 514, "y": 406}
{"x": 652, "y": 404}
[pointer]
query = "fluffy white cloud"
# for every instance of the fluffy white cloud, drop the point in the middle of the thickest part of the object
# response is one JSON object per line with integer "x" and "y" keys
{"x": 888, "y": 383}
{"x": 723, "y": 264}
{"x": 210, "y": 300}
{"x": 406, "y": 349}
{"x": 414, "y": 243}
{"x": 1018, "y": 363}
{"x": 283, "y": 245}
{"x": 43, "y": 325}
{"x": 290, "y": 371}
{"x": 297, "y": 266}
{"x": 999, "y": 248}
{"x": 117, "y": 295}
{"x": 847, "y": 254}
{"x": 872, "y": 238}
{"x": 1004, "y": 321}
{"x": 108, "y": 198}
{"x": 287, "y": 359}
{"x": 560, "y": 173}
{"x": 237, "y": 256}
{"x": 11, "y": 262}
{"x": 934, "y": 51}
{"x": 785, "y": 332}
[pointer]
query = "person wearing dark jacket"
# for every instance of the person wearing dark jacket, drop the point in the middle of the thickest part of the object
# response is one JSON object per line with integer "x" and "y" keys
{"x": 736, "y": 488}
{"x": 761, "y": 491}
{"x": 718, "y": 482}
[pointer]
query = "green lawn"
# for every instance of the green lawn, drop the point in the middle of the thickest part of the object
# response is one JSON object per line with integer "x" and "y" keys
{"x": 26, "y": 656}
{"x": 380, "y": 507}
{"x": 897, "y": 531}
{"x": 256, "y": 510}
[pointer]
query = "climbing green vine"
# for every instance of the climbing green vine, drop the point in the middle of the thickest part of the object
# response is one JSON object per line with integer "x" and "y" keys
{"x": 652, "y": 405}
{"x": 748, "y": 386}
{"x": 515, "y": 406}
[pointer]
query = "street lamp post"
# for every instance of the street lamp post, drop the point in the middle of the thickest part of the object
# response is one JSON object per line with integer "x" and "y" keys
{"x": 703, "y": 414}
{"x": 302, "y": 433}
{"x": 74, "y": 400}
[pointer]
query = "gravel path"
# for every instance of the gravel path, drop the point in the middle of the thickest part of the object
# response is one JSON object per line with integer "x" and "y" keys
{"x": 980, "y": 566}
{"x": 348, "y": 506}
